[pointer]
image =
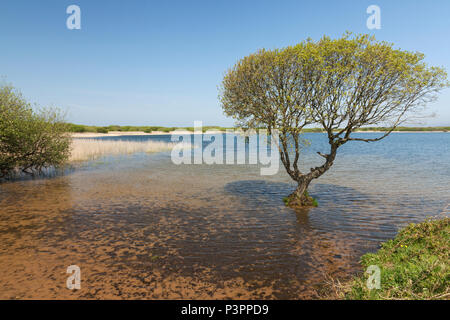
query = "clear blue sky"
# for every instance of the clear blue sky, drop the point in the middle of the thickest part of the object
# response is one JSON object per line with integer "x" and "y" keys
{"x": 160, "y": 62}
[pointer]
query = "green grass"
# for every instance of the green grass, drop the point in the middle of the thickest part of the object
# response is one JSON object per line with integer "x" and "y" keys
{"x": 414, "y": 265}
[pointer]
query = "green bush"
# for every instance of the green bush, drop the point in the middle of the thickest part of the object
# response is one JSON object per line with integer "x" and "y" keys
{"x": 165, "y": 129}
{"x": 76, "y": 128}
{"x": 30, "y": 140}
{"x": 101, "y": 130}
{"x": 113, "y": 128}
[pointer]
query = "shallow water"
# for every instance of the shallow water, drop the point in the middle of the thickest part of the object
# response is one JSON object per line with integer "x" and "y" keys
{"x": 141, "y": 227}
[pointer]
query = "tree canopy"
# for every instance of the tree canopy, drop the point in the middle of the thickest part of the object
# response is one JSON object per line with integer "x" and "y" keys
{"x": 340, "y": 85}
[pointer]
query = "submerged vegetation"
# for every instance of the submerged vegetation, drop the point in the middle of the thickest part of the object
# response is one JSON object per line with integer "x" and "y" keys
{"x": 414, "y": 265}
{"x": 312, "y": 202}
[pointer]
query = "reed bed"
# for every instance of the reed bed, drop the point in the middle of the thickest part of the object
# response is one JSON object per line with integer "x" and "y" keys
{"x": 91, "y": 149}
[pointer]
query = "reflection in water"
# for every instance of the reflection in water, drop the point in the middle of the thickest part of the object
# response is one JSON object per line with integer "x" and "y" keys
{"x": 140, "y": 227}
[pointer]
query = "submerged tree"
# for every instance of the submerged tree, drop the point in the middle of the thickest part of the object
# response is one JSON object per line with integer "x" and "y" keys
{"x": 340, "y": 85}
{"x": 30, "y": 140}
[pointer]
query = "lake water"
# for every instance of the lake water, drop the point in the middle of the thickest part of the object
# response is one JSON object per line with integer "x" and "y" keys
{"x": 140, "y": 226}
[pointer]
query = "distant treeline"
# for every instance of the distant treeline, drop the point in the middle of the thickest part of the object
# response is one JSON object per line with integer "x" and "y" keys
{"x": 406, "y": 129}
{"x": 79, "y": 128}
{"x": 146, "y": 129}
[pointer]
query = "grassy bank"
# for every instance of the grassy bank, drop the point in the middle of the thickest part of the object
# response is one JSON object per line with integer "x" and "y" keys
{"x": 414, "y": 265}
{"x": 79, "y": 128}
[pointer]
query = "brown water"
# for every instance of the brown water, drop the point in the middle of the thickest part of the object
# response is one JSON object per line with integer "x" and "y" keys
{"x": 140, "y": 227}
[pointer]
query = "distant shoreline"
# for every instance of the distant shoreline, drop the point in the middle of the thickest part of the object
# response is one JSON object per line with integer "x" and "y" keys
{"x": 131, "y": 133}
{"x": 157, "y": 133}
{"x": 80, "y": 130}
{"x": 116, "y": 130}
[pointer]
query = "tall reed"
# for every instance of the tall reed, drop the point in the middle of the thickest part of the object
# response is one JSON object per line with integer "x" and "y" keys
{"x": 91, "y": 149}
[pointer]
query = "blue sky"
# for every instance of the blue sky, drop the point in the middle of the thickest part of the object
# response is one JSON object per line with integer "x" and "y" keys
{"x": 161, "y": 62}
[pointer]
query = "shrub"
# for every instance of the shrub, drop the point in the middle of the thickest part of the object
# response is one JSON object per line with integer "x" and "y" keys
{"x": 30, "y": 140}
{"x": 114, "y": 128}
{"x": 169, "y": 129}
{"x": 101, "y": 130}
{"x": 76, "y": 128}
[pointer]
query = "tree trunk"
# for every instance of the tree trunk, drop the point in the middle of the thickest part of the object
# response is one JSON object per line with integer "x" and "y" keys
{"x": 300, "y": 197}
